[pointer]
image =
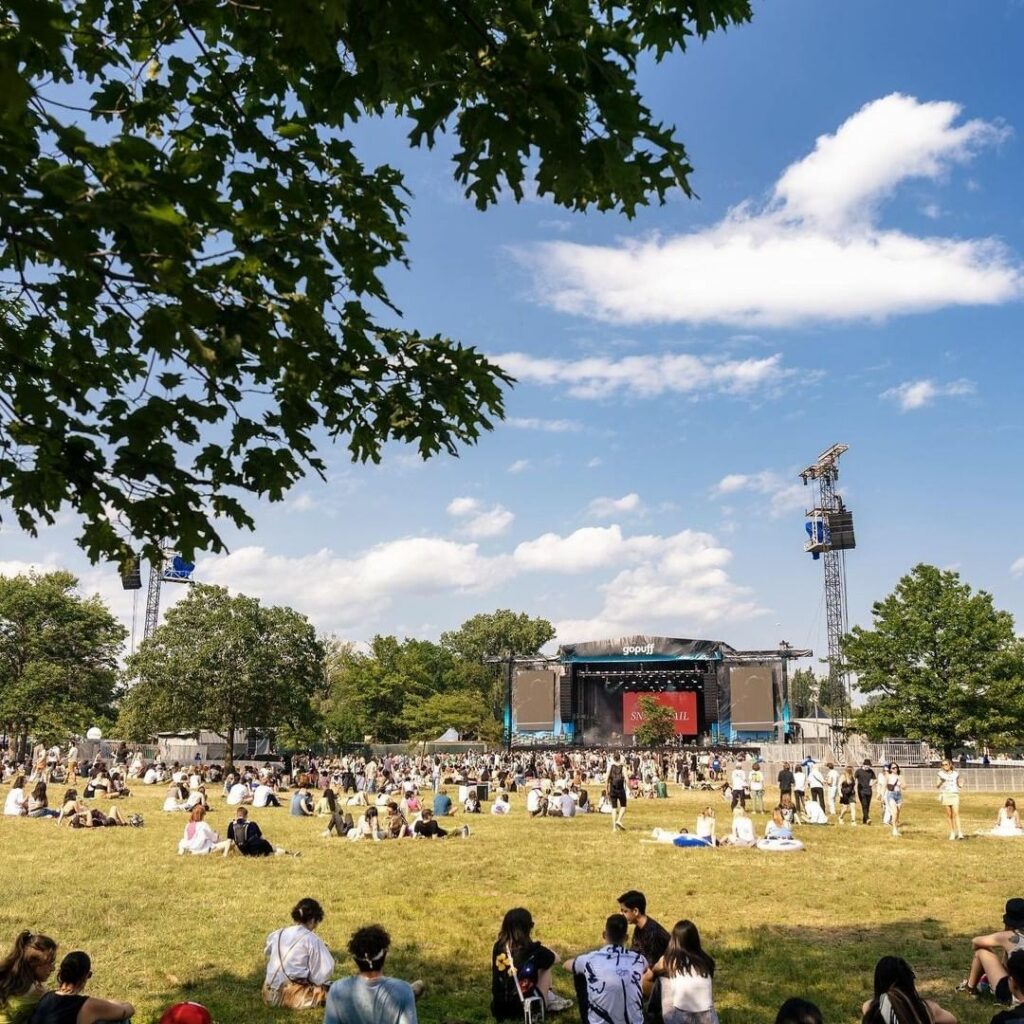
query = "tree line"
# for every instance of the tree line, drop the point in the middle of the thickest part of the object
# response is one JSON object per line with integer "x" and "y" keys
{"x": 940, "y": 663}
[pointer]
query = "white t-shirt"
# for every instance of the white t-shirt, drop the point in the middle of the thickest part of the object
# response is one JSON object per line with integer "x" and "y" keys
{"x": 949, "y": 781}
{"x": 533, "y": 800}
{"x": 304, "y": 955}
{"x": 150, "y": 777}
{"x": 567, "y": 805}
{"x": 259, "y": 797}
{"x": 690, "y": 993}
{"x": 799, "y": 780}
{"x": 742, "y": 829}
{"x": 499, "y": 807}
{"x": 739, "y": 779}
{"x": 236, "y": 794}
{"x": 613, "y": 977}
{"x": 16, "y": 802}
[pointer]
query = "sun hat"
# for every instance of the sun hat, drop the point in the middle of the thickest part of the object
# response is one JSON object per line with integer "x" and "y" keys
{"x": 186, "y": 1013}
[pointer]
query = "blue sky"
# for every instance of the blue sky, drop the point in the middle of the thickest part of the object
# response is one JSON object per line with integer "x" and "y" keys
{"x": 851, "y": 272}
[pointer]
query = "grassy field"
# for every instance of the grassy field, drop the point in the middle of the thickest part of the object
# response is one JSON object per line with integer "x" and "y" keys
{"x": 162, "y": 927}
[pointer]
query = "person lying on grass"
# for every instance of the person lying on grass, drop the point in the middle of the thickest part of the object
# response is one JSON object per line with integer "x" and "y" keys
{"x": 76, "y": 814}
{"x": 428, "y": 828}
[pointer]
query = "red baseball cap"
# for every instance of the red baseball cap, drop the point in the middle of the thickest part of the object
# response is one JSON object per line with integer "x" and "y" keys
{"x": 186, "y": 1013}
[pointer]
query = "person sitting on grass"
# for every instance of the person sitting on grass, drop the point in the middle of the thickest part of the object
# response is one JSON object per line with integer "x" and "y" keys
{"x": 299, "y": 964}
{"x": 16, "y": 804}
{"x": 69, "y": 1005}
{"x": 340, "y": 823}
{"x": 896, "y": 1000}
{"x": 609, "y": 980}
{"x": 705, "y": 828}
{"x": 1015, "y": 971}
{"x": 199, "y": 837}
{"x": 368, "y": 827}
{"x": 23, "y": 975}
{"x": 39, "y": 805}
{"x": 778, "y": 827}
{"x": 471, "y": 805}
{"x": 443, "y": 804}
{"x": 395, "y": 825}
{"x": 684, "y": 975}
{"x": 176, "y": 797}
{"x": 1007, "y": 821}
{"x": 742, "y": 833}
{"x": 370, "y": 997}
{"x": 428, "y": 828}
{"x": 302, "y": 804}
{"x": 649, "y": 937}
{"x": 248, "y": 839}
{"x": 264, "y": 796}
{"x": 798, "y": 1011}
{"x": 501, "y": 804}
{"x": 990, "y": 950}
{"x": 518, "y": 961}
{"x": 76, "y": 814}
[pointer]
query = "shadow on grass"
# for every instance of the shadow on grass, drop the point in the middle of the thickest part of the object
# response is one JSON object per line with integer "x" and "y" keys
{"x": 757, "y": 969}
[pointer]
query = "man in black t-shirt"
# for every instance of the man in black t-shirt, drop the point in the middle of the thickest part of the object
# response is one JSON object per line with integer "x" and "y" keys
{"x": 865, "y": 778}
{"x": 617, "y": 792}
{"x": 649, "y": 938}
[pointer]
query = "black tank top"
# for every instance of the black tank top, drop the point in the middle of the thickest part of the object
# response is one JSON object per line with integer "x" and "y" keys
{"x": 57, "y": 1009}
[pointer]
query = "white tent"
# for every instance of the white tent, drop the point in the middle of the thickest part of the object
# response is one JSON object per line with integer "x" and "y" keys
{"x": 448, "y": 736}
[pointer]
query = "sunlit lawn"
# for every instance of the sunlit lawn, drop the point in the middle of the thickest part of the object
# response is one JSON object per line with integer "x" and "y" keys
{"x": 161, "y": 928}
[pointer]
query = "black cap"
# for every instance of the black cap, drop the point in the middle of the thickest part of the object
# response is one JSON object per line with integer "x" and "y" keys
{"x": 1013, "y": 915}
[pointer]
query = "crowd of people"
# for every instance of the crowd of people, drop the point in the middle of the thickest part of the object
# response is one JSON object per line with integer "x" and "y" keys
{"x": 640, "y": 973}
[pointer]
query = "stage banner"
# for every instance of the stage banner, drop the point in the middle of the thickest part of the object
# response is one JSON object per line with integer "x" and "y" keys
{"x": 683, "y": 704}
{"x": 642, "y": 648}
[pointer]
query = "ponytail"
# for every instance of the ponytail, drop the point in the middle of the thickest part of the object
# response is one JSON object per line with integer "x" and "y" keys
{"x": 17, "y": 969}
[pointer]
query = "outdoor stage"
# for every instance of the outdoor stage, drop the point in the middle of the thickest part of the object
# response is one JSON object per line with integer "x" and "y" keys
{"x": 589, "y": 693}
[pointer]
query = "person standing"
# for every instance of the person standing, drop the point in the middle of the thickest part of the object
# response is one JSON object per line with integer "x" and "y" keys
{"x": 617, "y": 792}
{"x": 738, "y": 785}
{"x": 609, "y": 980}
{"x": 816, "y": 784}
{"x": 757, "y": 787}
{"x": 799, "y": 787}
{"x": 785, "y": 780}
{"x": 831, "y": 788}
{"x": 949, "y": 785}
{"x": 894, "y": 796}
{"x": 864, "y": 776}
{"x": 847, "y": 795}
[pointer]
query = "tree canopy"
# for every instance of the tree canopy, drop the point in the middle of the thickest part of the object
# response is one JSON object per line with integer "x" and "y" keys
{"x": 192, "y": 249}
{"x": 941, "y": 663}
{"x": 58, "y": 657}
{"x": 658, "y": 725}
{"x": 227, "y": 664}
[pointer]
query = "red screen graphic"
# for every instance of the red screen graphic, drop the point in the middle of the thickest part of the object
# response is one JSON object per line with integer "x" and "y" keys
{"x": 683, "y": 704}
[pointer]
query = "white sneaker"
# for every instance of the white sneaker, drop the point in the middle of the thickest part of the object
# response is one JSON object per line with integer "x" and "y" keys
{"x": 464, "y": 831}
{"x": 556, "y": 1003}
{"x": 952, "y": 835}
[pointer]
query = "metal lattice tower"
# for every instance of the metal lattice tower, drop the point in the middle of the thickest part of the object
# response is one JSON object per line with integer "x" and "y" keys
{"x": 156, "y": 572}
{"x": 831, "y": 534}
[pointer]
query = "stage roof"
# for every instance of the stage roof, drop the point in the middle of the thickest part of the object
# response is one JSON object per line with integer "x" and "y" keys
{"x": 644, "y": 648}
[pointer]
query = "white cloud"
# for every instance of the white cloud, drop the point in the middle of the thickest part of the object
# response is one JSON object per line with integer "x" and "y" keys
{"x": 491, "y": 522}
{"x": 605, "y": 508}
{"x": 647, "y": 375}
{"x": 549, "y": 426}
{"x": 462, "y": 506}
{"x": 814, "y": 252}
{"x": 594, "y": 462}
{"x": 916, "y": 394}
{"x": 1018, "y": 567}
{"x": 480, "y": 521}
{"x": 783, "y": 497}
{"x": 519, "y": 466}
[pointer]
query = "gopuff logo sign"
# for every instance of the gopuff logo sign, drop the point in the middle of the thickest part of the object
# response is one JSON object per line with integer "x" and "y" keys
{"x": 628, "y": 649}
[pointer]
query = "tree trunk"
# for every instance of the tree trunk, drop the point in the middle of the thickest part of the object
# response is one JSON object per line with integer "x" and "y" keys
{"x": 229, "y": 762}
{"x": 947, "y": 751}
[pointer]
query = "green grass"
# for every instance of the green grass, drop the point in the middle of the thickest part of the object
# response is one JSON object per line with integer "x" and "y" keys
{"x": 161, "y": 928}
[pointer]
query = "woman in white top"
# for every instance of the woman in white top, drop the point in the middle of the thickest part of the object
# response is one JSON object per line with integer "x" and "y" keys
{"x": 16, "y": 803}
{"x": 199, "y": 837}
{"x": 706, "y": 825}
{"x": 299, "y": 964}
{"x": 1008, "y": 822}
{"x": 175, "y": 799}
{"x": 685, "y": 973}
{"x": 894, "y": 795}
{"x": 500, "y": 805}
{"x": 742, "y": 829}
{"x": 948, "y": 785}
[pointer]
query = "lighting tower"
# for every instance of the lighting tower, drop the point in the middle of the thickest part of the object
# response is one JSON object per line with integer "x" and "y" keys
{"x": 829, "y": 528}
{"x": 167, "y": 568}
